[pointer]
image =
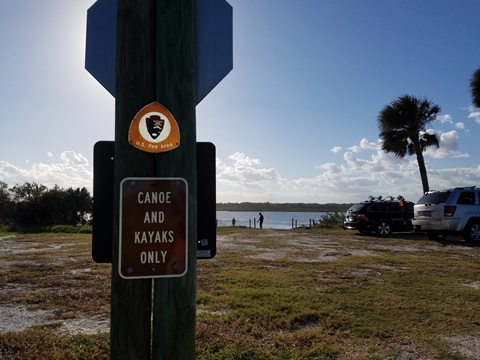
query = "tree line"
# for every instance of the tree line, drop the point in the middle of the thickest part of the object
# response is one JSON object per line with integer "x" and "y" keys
{"x": 33, "y": 205}
{"x": 286, "y": 207}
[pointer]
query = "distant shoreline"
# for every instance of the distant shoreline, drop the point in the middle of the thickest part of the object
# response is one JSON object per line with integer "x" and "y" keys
{"x": 287, "y": 207}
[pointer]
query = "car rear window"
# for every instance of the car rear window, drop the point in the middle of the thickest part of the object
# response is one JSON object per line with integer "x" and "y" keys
{"x": 466, "y": 198}
{"x": 356, "y": 208}
{"x": 438, "y": 197}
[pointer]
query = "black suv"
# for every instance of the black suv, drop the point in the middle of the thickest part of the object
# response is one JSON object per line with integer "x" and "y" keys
{"x": 380, "y": 215}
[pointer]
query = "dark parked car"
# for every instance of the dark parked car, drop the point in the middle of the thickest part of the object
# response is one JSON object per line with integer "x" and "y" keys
{"x": 382, "y": 216}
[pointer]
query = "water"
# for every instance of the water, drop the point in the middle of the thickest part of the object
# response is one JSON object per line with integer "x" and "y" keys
{"x": 272, "y": 219}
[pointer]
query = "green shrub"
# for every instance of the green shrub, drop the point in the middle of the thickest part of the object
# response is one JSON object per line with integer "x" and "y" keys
{"x": 58, "y": 229}
{"x": 332, "y": 219}
{"x": 85, "y": 229}
{"x": 70, "y": 229}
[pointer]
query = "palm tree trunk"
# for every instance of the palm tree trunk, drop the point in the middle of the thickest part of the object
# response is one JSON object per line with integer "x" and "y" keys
{"x": 423, "y": 170}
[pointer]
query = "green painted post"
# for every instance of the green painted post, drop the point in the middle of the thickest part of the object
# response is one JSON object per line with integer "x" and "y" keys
{"x": 155, "y": 62}
{"x": 174, "y": 313}
{"x": 131, "y": 302}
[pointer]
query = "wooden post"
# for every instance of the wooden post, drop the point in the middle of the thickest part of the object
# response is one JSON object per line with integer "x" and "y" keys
{"x": 130, "y": 333}
{"x": 174, "y": 312}
{"x": 155, "y": 62}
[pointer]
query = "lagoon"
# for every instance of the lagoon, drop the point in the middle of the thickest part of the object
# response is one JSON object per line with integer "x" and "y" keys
{"x": 272, "y": 219}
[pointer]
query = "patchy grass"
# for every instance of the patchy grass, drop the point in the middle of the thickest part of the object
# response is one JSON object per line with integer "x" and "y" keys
{"x": 46, "y": 343}
{"x": 56, "y": 271}
{"x": 403, "y": 299}
{"x": 294, "y": 294}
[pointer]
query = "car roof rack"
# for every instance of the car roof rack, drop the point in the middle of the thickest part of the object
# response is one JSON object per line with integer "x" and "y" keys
{"x": 387, "y": 198}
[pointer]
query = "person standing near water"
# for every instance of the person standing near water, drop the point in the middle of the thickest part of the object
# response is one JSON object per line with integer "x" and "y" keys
{"x": 260, "y": 220}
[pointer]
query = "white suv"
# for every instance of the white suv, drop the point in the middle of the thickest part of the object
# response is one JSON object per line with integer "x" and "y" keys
{"x": 452, "y": 211}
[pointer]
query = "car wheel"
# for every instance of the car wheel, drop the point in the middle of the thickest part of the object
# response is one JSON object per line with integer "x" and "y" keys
{"x": 436, "y": 235}
{"x": 383, "y": 228}
{"x": 472, "y": 232}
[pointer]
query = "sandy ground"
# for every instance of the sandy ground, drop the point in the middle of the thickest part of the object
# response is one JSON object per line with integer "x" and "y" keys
{"x": 16, "y": 317}
{"x": 319, "y": 248}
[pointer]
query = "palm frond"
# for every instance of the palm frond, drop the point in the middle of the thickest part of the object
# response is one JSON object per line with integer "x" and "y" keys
{"x": 401, "y": 123}
{"x": 475, "y": 88}
{"x": 395, "y": 141}
{"x": 427, "y": 140}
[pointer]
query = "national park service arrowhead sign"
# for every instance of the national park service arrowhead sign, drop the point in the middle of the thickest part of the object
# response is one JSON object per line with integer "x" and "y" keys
{"x": 154, "y": 130}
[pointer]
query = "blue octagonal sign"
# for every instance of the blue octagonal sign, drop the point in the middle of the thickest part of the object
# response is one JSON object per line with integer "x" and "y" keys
{"x": 214, "y": 48}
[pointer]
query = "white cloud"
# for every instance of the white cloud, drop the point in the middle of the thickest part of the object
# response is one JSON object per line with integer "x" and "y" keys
{"x": 448, "y": 146}
{"x": 336, "y": 149}
{"x": 363, "y": 170}
{"x": 71, "y": 170}
{"x": 364, "y": 145}
{"x": 475, "y": 115}
{"x": 72, "y": 158}
{"x": 331, "y": 167}
{"x": 460, "y": 125}
{"x": 445, "y": 118}
{"x": 242, "y": 159}
{"x": 245, "y": 173}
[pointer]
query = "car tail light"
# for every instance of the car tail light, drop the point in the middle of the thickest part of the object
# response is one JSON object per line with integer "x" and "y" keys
{"x": 361, "y": 217}
{"x": 448, "y": 211}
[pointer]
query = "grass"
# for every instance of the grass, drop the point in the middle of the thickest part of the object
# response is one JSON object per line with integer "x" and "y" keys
{"x": 46, "y": 343}
{"x": 355, "y": 307}
{"x": 60, "y": 262}
{"x": 364, "y": 298}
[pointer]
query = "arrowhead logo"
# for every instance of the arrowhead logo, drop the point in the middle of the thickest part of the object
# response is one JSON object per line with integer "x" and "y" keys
{"x": 154, "y": 129}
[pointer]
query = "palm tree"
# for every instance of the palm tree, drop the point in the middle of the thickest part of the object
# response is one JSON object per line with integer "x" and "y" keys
{"x": 475, "y": 88}
{"x": 402, "y": 129}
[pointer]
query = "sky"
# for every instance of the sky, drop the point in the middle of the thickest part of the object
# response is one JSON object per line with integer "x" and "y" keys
{"x": 294, "y": 121}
